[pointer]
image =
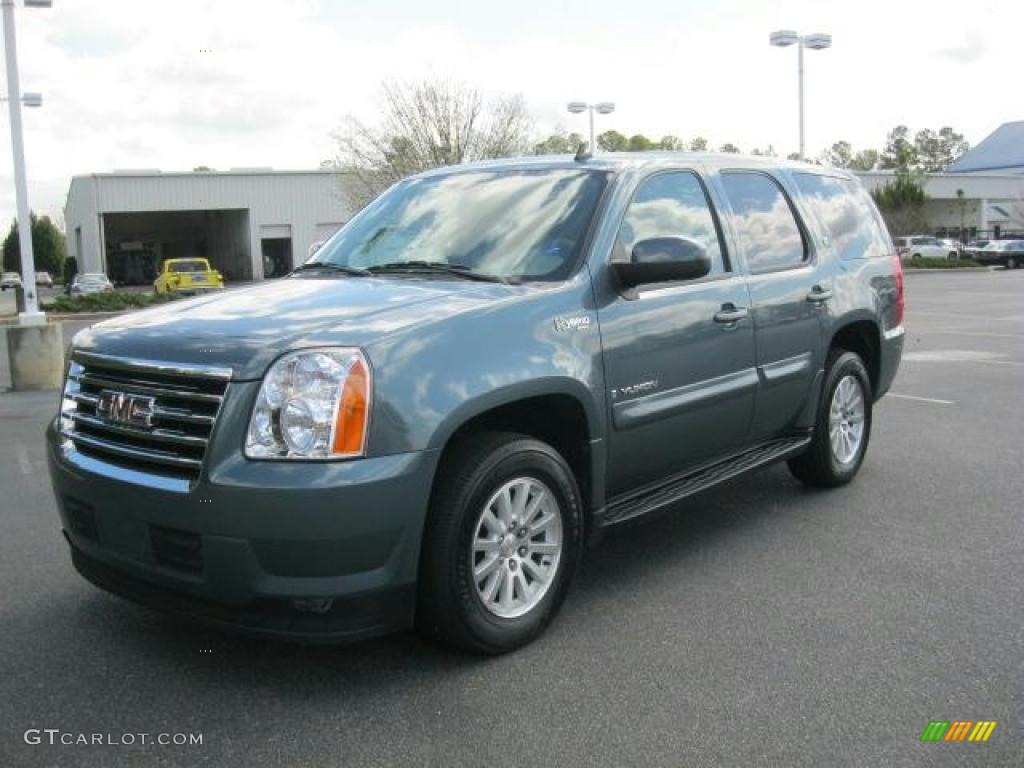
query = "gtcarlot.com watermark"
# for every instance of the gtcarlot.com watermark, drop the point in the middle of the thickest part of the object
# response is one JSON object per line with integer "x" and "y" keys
{"x": 55, "y": 736}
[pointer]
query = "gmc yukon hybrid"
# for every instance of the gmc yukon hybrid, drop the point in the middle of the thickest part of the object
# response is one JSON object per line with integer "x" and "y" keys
{"x": 487, "y": 365}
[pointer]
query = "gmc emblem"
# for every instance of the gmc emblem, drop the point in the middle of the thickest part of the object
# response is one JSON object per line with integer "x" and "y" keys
{"x": 126, "y": 408}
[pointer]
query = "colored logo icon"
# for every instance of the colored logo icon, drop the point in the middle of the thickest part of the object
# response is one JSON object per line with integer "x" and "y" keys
{"x": 958, "y": 730}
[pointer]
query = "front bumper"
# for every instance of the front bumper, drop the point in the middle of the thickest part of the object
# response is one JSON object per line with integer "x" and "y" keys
{"x": 196, "y": 290}
{"x": 324, "y": 551}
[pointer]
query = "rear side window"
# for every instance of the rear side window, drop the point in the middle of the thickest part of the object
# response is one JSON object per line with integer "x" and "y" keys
{"x": 766, "y": 225}
{"x": 849, "y": 218}
{"x": 671, "y": 205}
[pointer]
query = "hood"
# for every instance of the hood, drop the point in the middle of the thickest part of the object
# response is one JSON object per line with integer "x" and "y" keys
{"x": 246, "y": 329}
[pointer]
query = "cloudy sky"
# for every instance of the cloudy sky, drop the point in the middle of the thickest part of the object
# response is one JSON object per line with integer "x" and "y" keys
{"x": 229, "y": 83}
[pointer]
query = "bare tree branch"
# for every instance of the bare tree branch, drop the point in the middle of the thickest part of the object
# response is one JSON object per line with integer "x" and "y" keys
{"x": 426, "y": 125}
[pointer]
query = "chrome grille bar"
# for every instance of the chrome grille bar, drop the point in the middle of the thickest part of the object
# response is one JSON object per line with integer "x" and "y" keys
{"x": 159, "y": 457}
{"x": 158, "y": 435}
{"x": 172, "y": 431}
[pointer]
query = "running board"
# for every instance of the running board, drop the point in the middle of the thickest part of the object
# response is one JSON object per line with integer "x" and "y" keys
{"x": 651, "y": 497}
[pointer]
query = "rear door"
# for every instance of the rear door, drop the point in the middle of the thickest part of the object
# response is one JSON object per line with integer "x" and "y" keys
{"x": 679, "y": 357}
{"x": 789, "y": 290}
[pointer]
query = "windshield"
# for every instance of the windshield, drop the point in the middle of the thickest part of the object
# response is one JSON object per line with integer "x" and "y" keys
{"x": 523, "y": 224}
{"x": 187, "y": 266}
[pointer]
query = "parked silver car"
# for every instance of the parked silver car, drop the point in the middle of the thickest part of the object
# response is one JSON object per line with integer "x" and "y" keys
{"x": 1009, "y": 253}
{"x": 10, "y": 280}
{"x": 90, "y": 282}
{"x": 918, "y": 246}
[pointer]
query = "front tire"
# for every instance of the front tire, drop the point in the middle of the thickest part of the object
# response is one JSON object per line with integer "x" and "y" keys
{"x": 502, "y": 543}
{"x": 1011, "y": 262}
{"x": 843, "y": 427}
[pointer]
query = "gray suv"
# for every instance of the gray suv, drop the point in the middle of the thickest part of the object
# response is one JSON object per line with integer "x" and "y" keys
{"x": 488, "y": 366}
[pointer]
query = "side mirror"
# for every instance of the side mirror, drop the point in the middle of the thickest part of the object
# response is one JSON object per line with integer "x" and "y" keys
{"x": 663, "y": 260}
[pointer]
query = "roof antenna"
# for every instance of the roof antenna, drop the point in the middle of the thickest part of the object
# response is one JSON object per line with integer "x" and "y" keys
{"x": 582, "y": 153}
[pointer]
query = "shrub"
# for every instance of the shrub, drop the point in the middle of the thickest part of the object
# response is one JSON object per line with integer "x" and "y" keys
{"x": 931, "y": 262}
{"x": 117, "y": 301}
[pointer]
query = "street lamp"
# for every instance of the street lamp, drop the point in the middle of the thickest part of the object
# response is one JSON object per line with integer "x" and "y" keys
{"x": 816, "y": 42}
{"x": 31, "y": 315}
{"x": 602, "y": 108}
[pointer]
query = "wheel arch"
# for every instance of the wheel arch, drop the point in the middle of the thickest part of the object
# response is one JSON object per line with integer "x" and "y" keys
{"x": 558, "y": 412}
{"x": 862, "y": 335}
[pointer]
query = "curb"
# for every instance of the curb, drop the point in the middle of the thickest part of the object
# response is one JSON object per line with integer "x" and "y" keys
{"x": 63, "y": 317}
{"x": 912, "y": 270}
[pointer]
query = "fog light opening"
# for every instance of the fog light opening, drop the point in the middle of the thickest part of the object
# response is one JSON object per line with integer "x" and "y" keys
{"x": 313, "y": 605}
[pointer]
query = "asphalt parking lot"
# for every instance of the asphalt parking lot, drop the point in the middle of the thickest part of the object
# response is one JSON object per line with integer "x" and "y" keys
{"x": 756, "y": 624}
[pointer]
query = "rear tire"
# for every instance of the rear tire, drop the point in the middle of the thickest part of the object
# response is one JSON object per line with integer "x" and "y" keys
{"x": 506, "y": 506}
{"x": 843, "y": 426}
{"x": 1011, "y": 262}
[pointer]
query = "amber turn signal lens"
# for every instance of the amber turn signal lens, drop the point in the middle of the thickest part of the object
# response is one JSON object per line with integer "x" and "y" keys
{"x": 353, "y": 412}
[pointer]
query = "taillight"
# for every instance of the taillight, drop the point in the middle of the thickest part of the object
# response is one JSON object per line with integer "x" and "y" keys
{"x": 900, "y": 301}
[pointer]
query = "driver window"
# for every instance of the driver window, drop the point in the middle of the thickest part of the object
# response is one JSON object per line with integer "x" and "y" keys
{"x": 670, "y": 205}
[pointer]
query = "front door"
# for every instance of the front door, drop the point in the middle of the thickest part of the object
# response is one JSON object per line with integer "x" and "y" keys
{"x": 679, "y": 357}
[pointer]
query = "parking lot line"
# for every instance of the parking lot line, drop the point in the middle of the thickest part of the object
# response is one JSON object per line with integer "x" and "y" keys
{"x": 958, "y": 316}
{"x": 977, "y": 333}
{"x": 935, "y": 400}
{"x": 987, "y": 295}
{"x": 23, "y": 461}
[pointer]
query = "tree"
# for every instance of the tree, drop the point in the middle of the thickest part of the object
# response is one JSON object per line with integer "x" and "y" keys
{"x": 899, "y": 153}
{"x": 865, "y": 160}
{"x": 793, "y": 156}
{"x": 936, "y": 151}
{"x": 613, "y": 141}
{"x": 640, "y": 143}
{"x": 699, "y": 144}
{"x": 202, "y": 169}
{"x": 731, "y": 149}
{"x": 425, "y": 125}
{"x": 47, "y": 247}
{"x": 559, "y": 144}
{"x": 839, "y": 155}
{"x": 901, "y": 202}
{"x": 768, "y": 151}
{"x": 672, "y": 143}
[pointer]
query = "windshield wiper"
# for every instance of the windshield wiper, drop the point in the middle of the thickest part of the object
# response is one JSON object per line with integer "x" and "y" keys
{"x": 327, "y": 266}
{"x": 459, "y": 270}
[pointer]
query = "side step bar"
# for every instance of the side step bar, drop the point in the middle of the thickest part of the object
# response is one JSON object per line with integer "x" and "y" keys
{"x": 651, "y": 497}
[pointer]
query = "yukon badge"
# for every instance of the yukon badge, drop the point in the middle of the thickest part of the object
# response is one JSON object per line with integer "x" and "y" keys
{"x": 572, "y": 323}
{"x": 634, "y": 390}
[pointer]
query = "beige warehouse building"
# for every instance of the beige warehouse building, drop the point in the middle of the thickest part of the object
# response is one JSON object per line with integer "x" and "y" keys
{"x": 251, "y": 223}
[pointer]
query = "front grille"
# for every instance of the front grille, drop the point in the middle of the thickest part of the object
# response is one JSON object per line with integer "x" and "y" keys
{"x": 163, "y": 419}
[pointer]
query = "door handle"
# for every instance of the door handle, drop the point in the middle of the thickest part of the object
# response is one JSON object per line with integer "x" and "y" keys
{"x": 819, "y": 294}
{"x": 730, "y": 314}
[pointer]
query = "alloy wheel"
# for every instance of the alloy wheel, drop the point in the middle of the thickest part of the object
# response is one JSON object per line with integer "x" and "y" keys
{"x": 846, "y": 419}
{"x": 516, "y": 547}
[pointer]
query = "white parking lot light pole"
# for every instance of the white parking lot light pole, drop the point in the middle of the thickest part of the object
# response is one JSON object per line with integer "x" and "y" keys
{"x": 816, "y": 42}
{"x": 602, "y": 108}
{"x": 31, "y": 315}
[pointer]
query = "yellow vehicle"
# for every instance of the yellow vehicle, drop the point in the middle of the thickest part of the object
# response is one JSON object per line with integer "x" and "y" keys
{"x": 188, "y": 276}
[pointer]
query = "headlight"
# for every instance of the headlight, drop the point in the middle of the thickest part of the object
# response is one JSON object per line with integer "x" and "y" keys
{"x": 313, "y": 404}
{"x": 72, "y": 387}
